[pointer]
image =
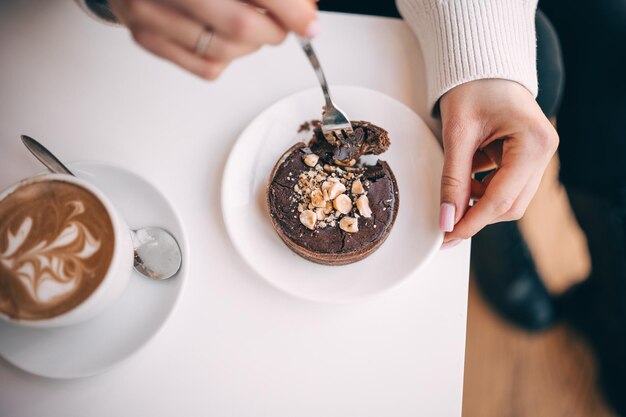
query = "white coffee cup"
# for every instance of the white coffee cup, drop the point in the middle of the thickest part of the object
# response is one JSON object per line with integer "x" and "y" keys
{"x": 117, "y": 275}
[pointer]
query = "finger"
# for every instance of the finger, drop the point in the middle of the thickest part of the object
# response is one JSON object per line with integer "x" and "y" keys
{"x": 482, "y": 162}
{"x": 168, "y": 49}
{"x": 499, "y": 197}
{"x": 234, "y": 20}
{"x": 518, "y": 209}
{"x": 222, "y": 49}
{"x": 448, "y": 236}
{"x": 297, "y": 16}
{"x": 459, "y": 147}
{"x": 181, "y": 29}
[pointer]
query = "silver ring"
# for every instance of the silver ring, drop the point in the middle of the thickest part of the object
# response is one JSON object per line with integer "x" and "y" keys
{"x": 204, "y": 41}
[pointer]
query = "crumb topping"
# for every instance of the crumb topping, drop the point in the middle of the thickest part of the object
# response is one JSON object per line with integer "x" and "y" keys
{"x": 330, "y": 196}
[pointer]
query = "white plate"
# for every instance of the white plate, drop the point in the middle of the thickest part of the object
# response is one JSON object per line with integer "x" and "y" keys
{"x": 415, "y": 157}
{"x": 97, "y": 345}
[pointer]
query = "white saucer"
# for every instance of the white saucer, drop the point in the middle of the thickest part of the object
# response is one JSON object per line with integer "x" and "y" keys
{"x": 97, "y": 345}
{"x": 415, "y": 157}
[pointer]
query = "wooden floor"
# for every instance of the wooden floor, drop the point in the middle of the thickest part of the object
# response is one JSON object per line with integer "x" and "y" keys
{"x": 510, "y": 373}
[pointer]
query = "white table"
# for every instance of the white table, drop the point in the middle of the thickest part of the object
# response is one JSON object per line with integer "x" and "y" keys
{"x": 235, "y": 346}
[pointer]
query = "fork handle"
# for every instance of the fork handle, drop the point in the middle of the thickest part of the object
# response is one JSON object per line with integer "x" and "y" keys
{"x": 315, "y": 63}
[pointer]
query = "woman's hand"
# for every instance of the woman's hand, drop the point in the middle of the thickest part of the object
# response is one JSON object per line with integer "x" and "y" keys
{"x": 490, "y": 124}
{"x": 171, "y": 28}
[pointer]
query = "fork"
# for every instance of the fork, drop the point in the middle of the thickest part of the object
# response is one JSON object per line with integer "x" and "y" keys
{"x": 335, "y": 123}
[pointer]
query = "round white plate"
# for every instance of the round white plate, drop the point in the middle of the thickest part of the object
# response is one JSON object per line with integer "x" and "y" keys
{"x": 97, "y": 345}
{"x": 415, "y": 157}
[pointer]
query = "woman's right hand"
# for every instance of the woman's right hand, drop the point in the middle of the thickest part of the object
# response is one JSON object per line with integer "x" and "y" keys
{"x": 171, "y": 28}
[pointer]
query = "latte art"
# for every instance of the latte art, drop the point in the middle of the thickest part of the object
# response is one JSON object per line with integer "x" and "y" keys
{"x": 51, "y": 269}
{"x": 56, "y": 243}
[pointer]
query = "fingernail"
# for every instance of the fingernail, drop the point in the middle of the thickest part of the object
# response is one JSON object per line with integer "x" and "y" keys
{"x": 446, "y": 217}
{"x": 450, "y": 244}
{"x": 313, "y": 29}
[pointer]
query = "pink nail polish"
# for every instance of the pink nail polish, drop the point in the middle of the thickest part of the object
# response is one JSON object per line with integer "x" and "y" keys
{"x": 450, "y": 244}
{"x": 447, "y": 214}
{"x": 313, "y": 30}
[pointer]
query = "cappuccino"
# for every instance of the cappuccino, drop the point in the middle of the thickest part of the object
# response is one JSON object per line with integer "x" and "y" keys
{"x": 57, "y": 242}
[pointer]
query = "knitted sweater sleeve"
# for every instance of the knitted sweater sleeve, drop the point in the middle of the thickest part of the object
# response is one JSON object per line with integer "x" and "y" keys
{"x": 466, "y": 40}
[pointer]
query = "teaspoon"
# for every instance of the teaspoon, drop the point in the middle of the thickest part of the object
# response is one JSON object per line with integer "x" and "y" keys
{"x": 157, "y": 254}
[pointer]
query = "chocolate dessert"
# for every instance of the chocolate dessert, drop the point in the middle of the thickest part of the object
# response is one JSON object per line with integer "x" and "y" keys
{"x": 326, "y": 205}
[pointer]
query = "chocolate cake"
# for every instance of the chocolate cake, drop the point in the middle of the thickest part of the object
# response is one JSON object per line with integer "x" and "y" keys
{"x": 327, "y": 206}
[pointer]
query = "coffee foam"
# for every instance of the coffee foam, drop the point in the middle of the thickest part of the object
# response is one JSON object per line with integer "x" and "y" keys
{"x": 56, "y": 244}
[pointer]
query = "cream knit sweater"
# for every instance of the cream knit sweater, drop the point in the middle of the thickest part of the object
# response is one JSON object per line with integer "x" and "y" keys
{"x": 466, "y": 40}
{"x": 462, "y": 40}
